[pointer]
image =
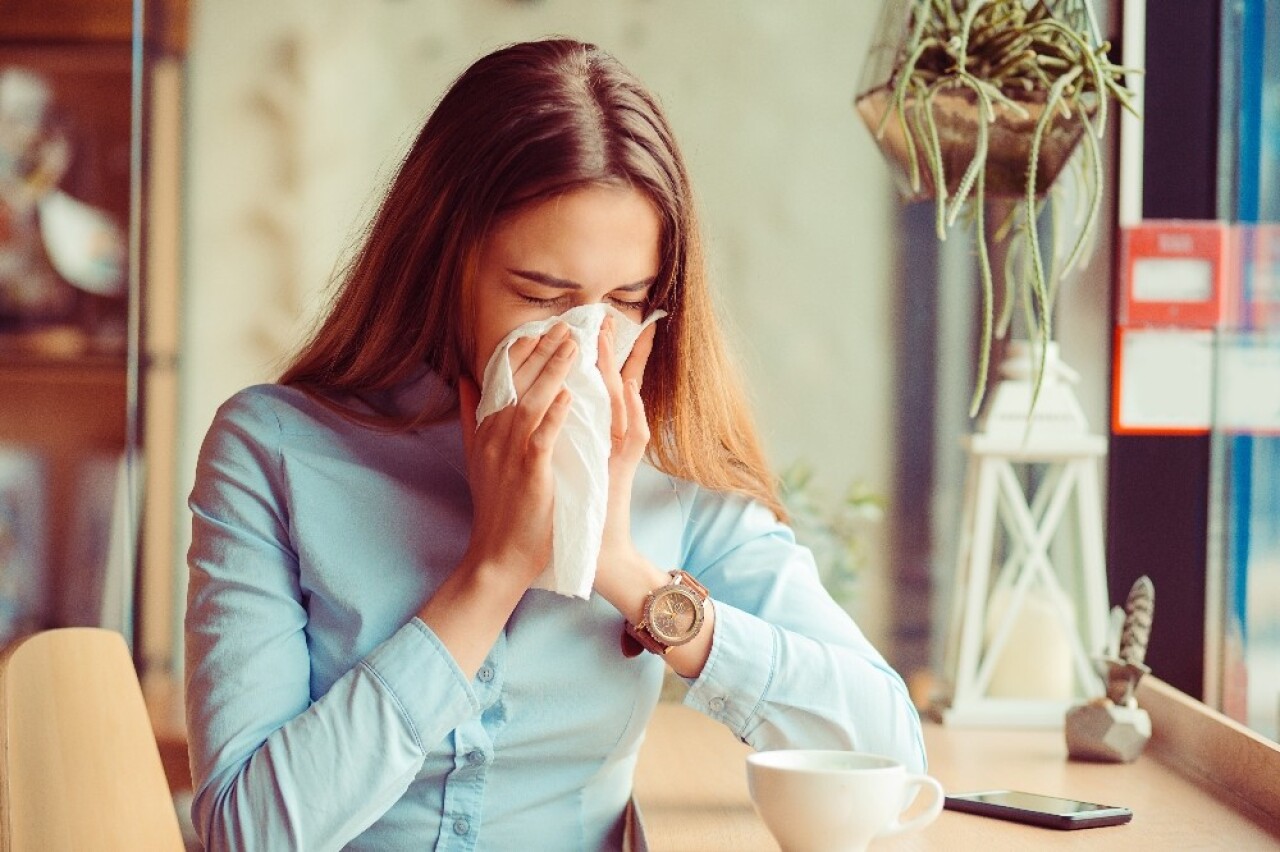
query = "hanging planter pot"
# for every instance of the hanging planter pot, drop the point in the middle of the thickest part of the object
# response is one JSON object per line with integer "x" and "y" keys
{"x": 956, "y": 116}
{"x": 977, "y": 100}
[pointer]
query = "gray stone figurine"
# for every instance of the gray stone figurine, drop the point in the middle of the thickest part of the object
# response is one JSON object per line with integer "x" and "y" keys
{"x": 1113, "y": 728}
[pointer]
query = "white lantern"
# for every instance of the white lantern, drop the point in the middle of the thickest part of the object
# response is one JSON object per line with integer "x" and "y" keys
{"x": 1024, "y": 631}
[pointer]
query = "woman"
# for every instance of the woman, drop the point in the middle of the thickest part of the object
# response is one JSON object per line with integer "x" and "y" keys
{"x": 367, "y": 666}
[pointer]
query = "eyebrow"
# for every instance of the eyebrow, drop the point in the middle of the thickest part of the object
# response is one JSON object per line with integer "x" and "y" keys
{"x": 565, "y": 284}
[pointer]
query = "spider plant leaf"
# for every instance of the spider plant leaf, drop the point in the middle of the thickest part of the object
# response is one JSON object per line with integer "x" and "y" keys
{"x": 1123, "y": 95}
{"x": 1026, "y": 290}
{"x": 1008, "y": 53}
{"x": 988, "y": 296}
{"x": 1094, "y": 158}
{"x": 979, "y": 162}
{"x": 906, "y": 78}
{"x": 946, "y": 10}
{"x": 1044, "y": 311}
{"x": 1006, "y": 225}
{"x": 933, "y": 147}
{"x": 1051, "y": 208}
{"x": 966, "y": 27}
{"x": 1089, "y": 63}
{"x": 909, "y": 142}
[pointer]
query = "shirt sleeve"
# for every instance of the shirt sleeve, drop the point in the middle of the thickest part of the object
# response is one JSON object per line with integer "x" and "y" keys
{"x": 788, "y": 667}
{"x": 273, "y": 769}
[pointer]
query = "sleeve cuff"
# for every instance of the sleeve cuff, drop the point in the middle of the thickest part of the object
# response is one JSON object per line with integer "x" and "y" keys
{"x": 424, "y": 682}
{"x": 733, "y": 683}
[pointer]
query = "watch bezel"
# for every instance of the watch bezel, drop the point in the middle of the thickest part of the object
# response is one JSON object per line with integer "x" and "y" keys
{"x": 699, "y": 613}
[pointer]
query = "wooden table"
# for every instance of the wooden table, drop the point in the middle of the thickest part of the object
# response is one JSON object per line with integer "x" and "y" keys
{"x": 692, "y": 789}
{"x": 691, "y": 782}
{"x": 164, "y": 702}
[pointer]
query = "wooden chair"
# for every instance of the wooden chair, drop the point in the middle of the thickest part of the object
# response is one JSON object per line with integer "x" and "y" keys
{"x": 79, "y": 767}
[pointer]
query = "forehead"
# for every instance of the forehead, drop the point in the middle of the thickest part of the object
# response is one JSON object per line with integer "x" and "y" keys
{"x": 617, "y": 213}
{"x": 589, "y": 232}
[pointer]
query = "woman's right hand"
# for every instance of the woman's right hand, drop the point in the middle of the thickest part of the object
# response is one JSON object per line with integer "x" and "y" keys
{"x": 509, "y": 459}
{"x": 509, "y": 470}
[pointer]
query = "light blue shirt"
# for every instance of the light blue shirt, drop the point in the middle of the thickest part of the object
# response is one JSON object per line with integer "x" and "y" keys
{"x": 323, "y": 714}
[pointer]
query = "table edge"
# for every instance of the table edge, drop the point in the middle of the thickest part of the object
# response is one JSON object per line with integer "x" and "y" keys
{"x": 1213, "y": 750}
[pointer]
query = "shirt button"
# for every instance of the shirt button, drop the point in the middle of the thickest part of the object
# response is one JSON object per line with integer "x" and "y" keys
{"x": 461, "y": 826}
{"x": 475, "y": 757}
{"x": 716, "y": 704}
{"x": 485, "y": 674}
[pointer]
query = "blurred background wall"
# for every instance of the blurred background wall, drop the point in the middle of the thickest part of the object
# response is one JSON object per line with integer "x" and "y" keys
{"x": 299, "y": 110}
{"x": 298, "y": 113}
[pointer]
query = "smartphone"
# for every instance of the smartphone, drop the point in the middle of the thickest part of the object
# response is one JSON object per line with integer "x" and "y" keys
{"x": 1034, "y": 809}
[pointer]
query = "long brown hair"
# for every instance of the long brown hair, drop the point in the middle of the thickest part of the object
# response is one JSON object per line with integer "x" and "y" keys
{"x": 524, "y": 123}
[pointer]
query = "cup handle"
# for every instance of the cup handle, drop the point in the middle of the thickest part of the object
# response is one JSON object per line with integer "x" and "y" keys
{"x": 930, "y": 813}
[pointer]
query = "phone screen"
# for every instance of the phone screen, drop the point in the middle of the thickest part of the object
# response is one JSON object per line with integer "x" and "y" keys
{"x": 1036, "y": 802}
{"x": 1035, "y": 809}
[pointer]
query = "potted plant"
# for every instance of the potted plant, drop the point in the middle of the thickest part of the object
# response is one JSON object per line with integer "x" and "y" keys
{"x": 834, "y": 529}
{"x": 982, "y": 103}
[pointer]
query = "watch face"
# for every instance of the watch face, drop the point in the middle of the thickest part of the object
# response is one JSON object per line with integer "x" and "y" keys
{"x": 675, "y": 616}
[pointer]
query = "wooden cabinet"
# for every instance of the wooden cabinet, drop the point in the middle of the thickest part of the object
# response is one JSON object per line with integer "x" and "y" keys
{"x": 68, "y": 414}
{"x": 90, "y": 393}
{"x": 95, "y": 21}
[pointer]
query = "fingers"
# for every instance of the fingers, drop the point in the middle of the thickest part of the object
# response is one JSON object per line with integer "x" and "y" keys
{"x": 607, "y": 365}
{"x": 637, "y": 437}
{"x": 520, "y": 350}
{"x": 544, "y": 436}
{"x": 539, "y": 366}
{"x": 533, "y": 354}
{"x": 639, "y": 357}
{"x": 545, "y": 388}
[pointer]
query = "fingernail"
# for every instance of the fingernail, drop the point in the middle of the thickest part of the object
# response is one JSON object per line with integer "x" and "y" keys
{"x": 558, "y": 331}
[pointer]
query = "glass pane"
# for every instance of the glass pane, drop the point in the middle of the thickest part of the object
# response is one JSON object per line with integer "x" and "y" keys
{"x": 1246, "y": 441}
{"x": 66, "y": 182}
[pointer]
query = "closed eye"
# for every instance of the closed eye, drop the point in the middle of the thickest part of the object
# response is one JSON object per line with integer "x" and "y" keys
{"x": 542, "y": 303}
{"x": 635, "y": 289}
{"x": 624, "y": 305}
{"x": 627, "y": 304}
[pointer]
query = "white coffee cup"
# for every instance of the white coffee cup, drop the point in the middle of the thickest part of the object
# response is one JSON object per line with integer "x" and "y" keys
{"x": 836, "y": 801}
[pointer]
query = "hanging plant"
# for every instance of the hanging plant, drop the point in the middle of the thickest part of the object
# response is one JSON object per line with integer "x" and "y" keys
{"x": 976, "y": 100}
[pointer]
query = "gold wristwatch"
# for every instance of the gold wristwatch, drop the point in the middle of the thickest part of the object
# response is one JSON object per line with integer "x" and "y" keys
{"x": 672, "y": 615}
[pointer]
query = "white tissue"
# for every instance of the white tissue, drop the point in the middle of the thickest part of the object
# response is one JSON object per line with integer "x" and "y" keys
{"x": 580, "y": 460}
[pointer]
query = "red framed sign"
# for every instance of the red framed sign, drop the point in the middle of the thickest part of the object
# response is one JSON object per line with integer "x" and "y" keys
{"x": 1179, "y": 273}
{"x": 1162, "y": 382}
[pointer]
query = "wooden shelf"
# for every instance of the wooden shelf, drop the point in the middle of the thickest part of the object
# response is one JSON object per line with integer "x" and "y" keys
{"x": 94, "y": 21}
{"x": 42, "y": 370}
{"x": 69, "y": 413}
{"x": 62, "y": 400}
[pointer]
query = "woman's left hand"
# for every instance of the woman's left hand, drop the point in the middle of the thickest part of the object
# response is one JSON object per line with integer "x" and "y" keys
{"x": 629, "y": 437}
{"x": 624, "y": 577}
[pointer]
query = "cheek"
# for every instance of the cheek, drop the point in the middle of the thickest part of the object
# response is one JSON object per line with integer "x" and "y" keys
{"x": 492, "y": 326}
{"x": 485, "y": 343}
{"x": 484, "y": 337}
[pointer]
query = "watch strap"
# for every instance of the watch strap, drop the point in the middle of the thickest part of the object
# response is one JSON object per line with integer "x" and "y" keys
{"x": 636, "y": 642}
